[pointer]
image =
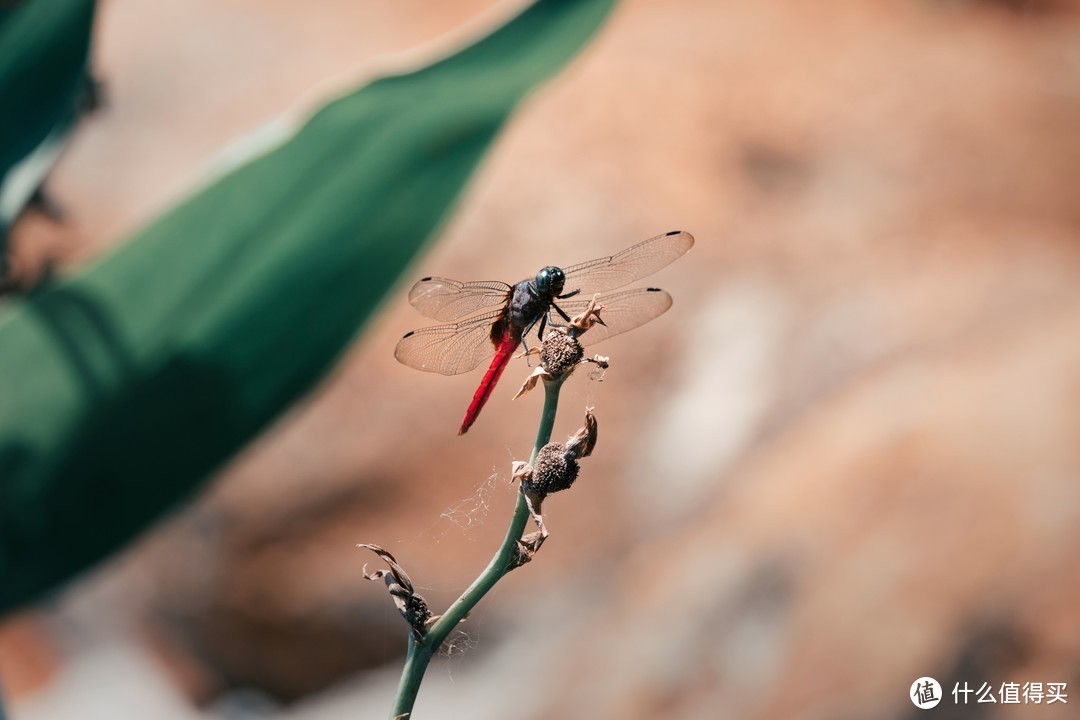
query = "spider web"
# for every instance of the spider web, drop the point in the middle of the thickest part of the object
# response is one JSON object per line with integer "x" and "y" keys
{"x": 469, "y": 512}
{"x": 459, "y": 644}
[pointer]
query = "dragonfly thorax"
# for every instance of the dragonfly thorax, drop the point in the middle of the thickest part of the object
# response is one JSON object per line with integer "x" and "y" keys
{"x": 550, "y": 281}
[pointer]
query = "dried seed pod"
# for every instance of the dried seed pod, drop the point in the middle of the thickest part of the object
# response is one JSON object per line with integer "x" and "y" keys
{"x": 555, "y": 469}
{"x": 560, "y": 352}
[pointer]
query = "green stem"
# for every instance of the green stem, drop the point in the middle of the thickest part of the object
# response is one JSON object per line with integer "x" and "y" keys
{"x": 420, "y": 653}
{"x": 416, "y": 662}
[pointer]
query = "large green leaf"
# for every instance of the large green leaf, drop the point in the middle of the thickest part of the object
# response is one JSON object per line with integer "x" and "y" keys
{"x": 123, "y": 387}
{"x": 44, "y": 46}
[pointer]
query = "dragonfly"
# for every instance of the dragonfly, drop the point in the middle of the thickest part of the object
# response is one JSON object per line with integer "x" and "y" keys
{"x": 492, "y": 318}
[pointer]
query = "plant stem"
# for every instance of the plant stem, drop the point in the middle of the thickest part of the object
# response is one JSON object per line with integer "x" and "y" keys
{"x": 416, "y": 661}
{"x": 420, "y": 653}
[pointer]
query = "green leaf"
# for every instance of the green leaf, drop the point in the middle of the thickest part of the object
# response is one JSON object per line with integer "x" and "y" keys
{"x": 123, "y": 387}
{"x": 44, "y": 45}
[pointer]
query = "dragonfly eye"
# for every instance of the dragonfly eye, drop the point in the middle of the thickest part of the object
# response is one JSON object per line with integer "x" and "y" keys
{"x": 550, "y": 280}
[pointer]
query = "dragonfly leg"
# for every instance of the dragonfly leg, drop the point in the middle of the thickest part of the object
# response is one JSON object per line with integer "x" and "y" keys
{"x": 560, "y": 311}
{"x": 525, "y": 340}
{"x": 571, "y": 294}
{"x": 550, "y": 321}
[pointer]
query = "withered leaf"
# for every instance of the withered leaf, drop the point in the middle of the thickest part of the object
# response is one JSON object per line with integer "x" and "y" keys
{"x": 582, "y": 443}
{"x": 530, "y": 382}
{"x": 412, "y": 606}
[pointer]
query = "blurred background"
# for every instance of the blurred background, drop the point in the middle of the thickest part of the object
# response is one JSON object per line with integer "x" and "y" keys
{"x": 848, "y": 457}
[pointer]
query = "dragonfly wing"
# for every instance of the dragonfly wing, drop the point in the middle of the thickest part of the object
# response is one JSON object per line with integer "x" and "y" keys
{"x": 631, "y": 264}
{"x": 444, "y": 299}
{"x": 622, "y": 311}
{"x": 449, "y": 349}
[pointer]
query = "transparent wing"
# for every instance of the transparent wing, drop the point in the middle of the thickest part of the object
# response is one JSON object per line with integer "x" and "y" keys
{"x": 449, "y": 349}
{"x": 443, "y": 299}
{"x": 631, "y": 264}
{"x": 622, "y": 311}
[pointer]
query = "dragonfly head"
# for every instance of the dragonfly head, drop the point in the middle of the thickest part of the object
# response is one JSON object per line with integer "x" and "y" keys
{"x": 550, "y": 280}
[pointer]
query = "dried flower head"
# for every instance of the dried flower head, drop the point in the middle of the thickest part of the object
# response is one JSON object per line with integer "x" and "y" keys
{"x": 560, "y": 352}
{"x": 556, "y": 468}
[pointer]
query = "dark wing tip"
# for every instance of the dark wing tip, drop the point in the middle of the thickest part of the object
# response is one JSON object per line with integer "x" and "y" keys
{"x": 408, "y": 334}
{"x": 646, "y": 290}
{"x": 426, "y": 279}
{"x": 684, "y": 236}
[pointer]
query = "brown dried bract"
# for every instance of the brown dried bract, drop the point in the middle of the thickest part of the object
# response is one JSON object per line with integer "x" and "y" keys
{"x": 589, "y": 317}
{"x": 583, "y": 442}
{"x": 527, "y": 547}
{"x": 412, "y": 606}
{"x": 530, "y": 382}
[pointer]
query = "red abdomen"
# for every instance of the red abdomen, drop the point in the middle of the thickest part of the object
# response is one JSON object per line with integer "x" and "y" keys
{"x": 503, "y": 352}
